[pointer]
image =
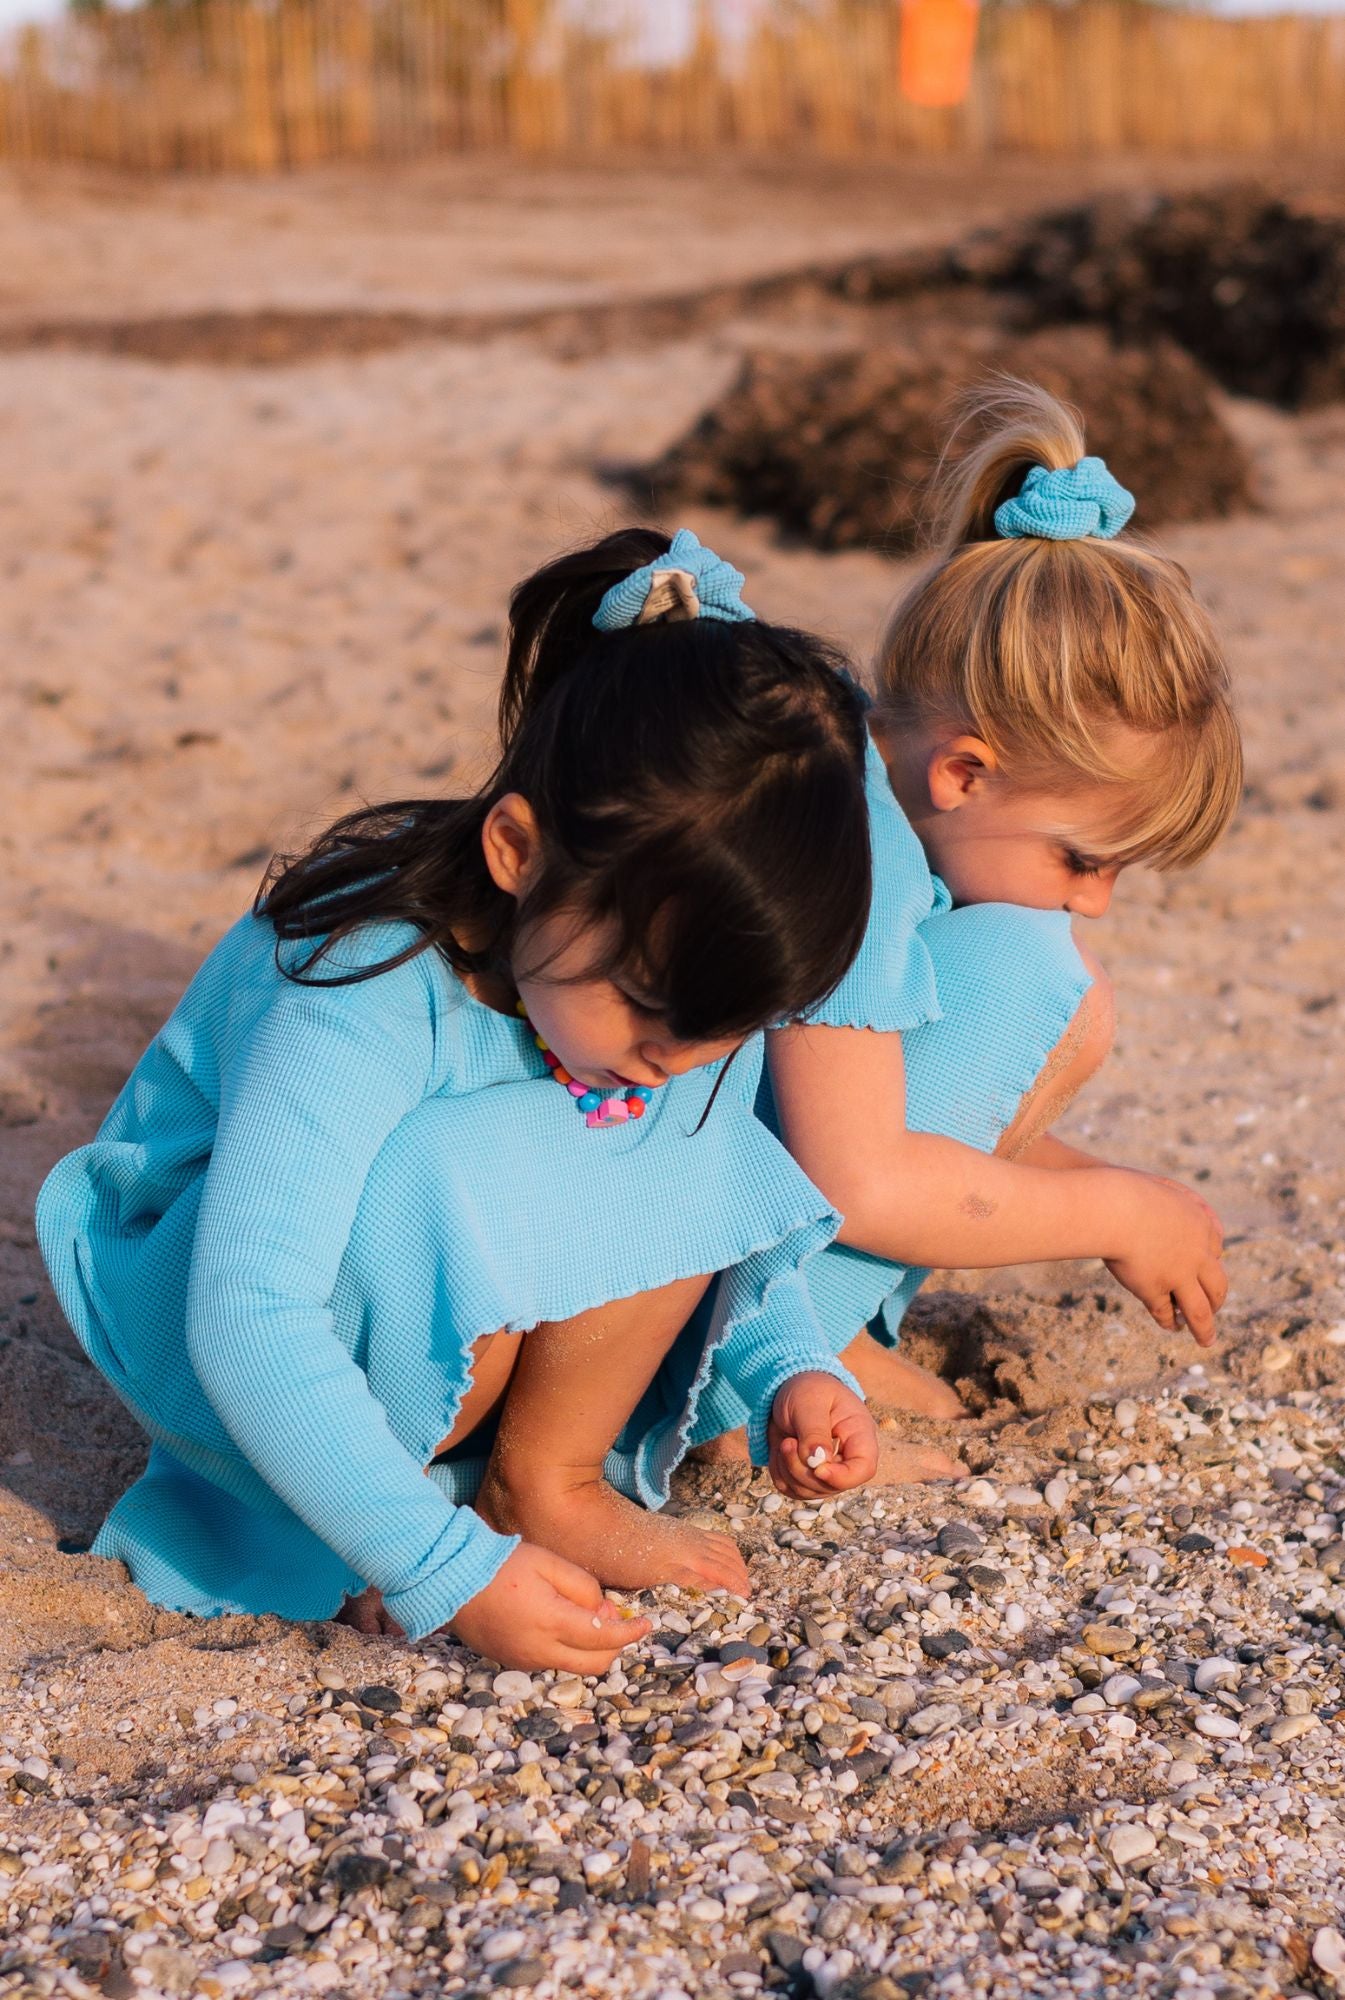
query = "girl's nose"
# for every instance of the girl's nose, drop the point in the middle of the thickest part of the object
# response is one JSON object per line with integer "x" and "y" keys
{"x": 1092, "y": 899}
{"x": 658, "y": 1062}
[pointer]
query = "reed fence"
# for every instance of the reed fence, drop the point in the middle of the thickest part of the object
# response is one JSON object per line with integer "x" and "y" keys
{"x": 256, "y": 85}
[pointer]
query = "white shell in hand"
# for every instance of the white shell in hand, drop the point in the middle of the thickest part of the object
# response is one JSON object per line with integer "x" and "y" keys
{"x": 816, "y": 1458}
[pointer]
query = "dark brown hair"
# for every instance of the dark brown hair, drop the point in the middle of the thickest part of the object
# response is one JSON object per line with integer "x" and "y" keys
{"x": 698, "y": 788}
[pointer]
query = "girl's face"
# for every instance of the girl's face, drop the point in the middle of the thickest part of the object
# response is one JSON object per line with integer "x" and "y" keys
{"x": 604, "y": 1034}
{"x": 1033, "y": 849}
{"x": 992, "y": 843}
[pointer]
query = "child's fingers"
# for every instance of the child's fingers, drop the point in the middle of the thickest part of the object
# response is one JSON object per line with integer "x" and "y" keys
{"x": 838, "y": 1476}
{"x": 602, "y": 1630}
{"x": 796, "y": 1477}
{"x": 1194, "y": 1307}
{"x": 858, "y": 1441}
{"x": 569, "y": 1580}
{"x": 1214, "y": 1284}
{"x": 1160, "y": 1308}
{"x": 815, "y": 1448}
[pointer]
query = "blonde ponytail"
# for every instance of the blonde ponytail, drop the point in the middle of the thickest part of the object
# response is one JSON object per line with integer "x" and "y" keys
{"x": 1013, "y": 426}
{"x": 1083, "y": 663}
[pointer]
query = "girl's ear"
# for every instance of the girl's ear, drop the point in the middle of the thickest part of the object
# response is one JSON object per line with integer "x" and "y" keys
{"x": 512, "y": 844}
{"x": 957, "y": 769}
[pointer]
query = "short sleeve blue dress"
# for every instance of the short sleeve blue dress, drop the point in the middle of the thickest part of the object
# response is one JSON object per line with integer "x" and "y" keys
{"x": 980, "y": 995}
{"x": 305, "y": 1206}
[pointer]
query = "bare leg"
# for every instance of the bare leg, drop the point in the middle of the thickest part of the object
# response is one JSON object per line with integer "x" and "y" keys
{"x": 888, "y": 1377}
{"x": 1075, "y": 1059}
{"x": 575, "y": 1384}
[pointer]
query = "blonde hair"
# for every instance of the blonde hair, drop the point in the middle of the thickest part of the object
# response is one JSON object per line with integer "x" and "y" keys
{"x": 1056, "y": 653}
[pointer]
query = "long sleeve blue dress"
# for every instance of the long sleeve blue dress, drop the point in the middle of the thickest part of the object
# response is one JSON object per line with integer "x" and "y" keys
{"x": 305, "y": 1206}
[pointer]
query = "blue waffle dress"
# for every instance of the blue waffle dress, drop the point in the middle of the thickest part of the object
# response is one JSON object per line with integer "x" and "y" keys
{"x": 305, "y": 1206}
{"x": 980, "y": 996}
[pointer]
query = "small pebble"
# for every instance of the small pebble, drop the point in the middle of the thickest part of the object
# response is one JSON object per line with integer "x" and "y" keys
{"x": 504, "y": 1944}
{"x": 513, "y": 1687}
{"x": 1288, "y": 1727}
{"x": 1129, "y": 1844}
{"x": 1110, "y": 1641}
{"x": 1328, "y": 1952}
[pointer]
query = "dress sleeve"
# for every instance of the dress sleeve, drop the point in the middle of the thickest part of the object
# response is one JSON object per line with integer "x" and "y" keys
{"x": 890, "y": 985}
{"x": 305, "y": 1108}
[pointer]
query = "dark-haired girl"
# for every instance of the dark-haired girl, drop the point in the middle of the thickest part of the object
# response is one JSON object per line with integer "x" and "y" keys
{"x": 470, "y": 1070}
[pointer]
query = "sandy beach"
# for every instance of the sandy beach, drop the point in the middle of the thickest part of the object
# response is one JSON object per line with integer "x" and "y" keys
{"x": 239, "y": 598}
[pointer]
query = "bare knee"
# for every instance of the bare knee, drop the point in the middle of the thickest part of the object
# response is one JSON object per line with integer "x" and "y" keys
{"x": 1093, "y": 1030}
{"x": 1076, "y": 1057}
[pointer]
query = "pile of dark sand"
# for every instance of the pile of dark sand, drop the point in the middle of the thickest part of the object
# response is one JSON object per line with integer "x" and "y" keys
{"x": 1251, "y": 285}
{"x": 839, "y": 448}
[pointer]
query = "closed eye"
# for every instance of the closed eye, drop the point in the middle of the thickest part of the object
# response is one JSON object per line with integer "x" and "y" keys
{"x": 1080, "y": 864}
{"x": 642, "y": 1004}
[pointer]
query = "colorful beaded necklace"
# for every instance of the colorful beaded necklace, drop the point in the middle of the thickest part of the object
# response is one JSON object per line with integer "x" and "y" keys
{"x": 598, "y": 1110}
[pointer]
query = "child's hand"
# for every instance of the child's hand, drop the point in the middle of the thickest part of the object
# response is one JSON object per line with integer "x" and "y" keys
{"x": 1176, "y": 1271}
{"x": 542, "y": 1611}
{"x": 815, "y": 1413}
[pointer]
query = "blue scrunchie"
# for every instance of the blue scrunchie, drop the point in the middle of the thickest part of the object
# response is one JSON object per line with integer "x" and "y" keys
{"x": 1066, "y": 506}
{"x": 717, "y": 586}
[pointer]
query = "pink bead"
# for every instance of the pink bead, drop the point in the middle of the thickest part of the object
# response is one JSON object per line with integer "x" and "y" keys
{"x": 615, "y": 1111}
{"x": 577, "y": 1089}
{"x": 592, "y": 1119}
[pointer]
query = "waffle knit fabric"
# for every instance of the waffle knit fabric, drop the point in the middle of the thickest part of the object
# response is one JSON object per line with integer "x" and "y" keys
{"x": 980, "y": 996}
{"x": 304, "y": 1207}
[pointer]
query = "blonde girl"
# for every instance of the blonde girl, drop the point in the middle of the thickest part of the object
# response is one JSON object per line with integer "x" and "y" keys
{"x": 1052, "y": 708}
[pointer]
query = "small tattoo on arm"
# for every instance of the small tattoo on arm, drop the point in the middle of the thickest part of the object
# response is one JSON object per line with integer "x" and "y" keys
{"x": 978, "y": 1208}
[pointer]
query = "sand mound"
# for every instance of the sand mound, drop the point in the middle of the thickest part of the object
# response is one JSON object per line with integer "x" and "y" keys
{"x": 839, "y": 449}
{"x": 1252, "y": 286}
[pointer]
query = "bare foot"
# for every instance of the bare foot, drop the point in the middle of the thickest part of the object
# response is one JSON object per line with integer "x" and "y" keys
{"x": 901, "y": 1463}
{"x": 367, "y": 1613}
{"x": 887, "y": 1377}
{"x": 730, "y": 1448}
{"x": 623, "y": 1546}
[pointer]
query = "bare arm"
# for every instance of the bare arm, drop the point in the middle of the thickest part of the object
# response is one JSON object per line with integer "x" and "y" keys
{"x": 1048, "y": 1151}
{"x": 918, "y": 1198}
{"x": 914, "y": 1197}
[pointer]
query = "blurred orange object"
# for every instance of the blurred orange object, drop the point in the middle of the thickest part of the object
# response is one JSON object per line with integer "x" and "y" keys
{"x": 938, "y": 43}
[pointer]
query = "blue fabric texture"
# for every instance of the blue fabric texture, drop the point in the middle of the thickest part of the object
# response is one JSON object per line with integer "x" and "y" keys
{"x": 981, "y": 996}
{"x": 306, "y": 1204}
{"x": 890, "y": 985}
{"x": 718, "y": 586}
{"x": 1068, "y": 504}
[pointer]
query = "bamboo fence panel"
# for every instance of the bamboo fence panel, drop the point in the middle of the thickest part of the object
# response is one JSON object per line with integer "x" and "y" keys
{"x": 210, "y": 86}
